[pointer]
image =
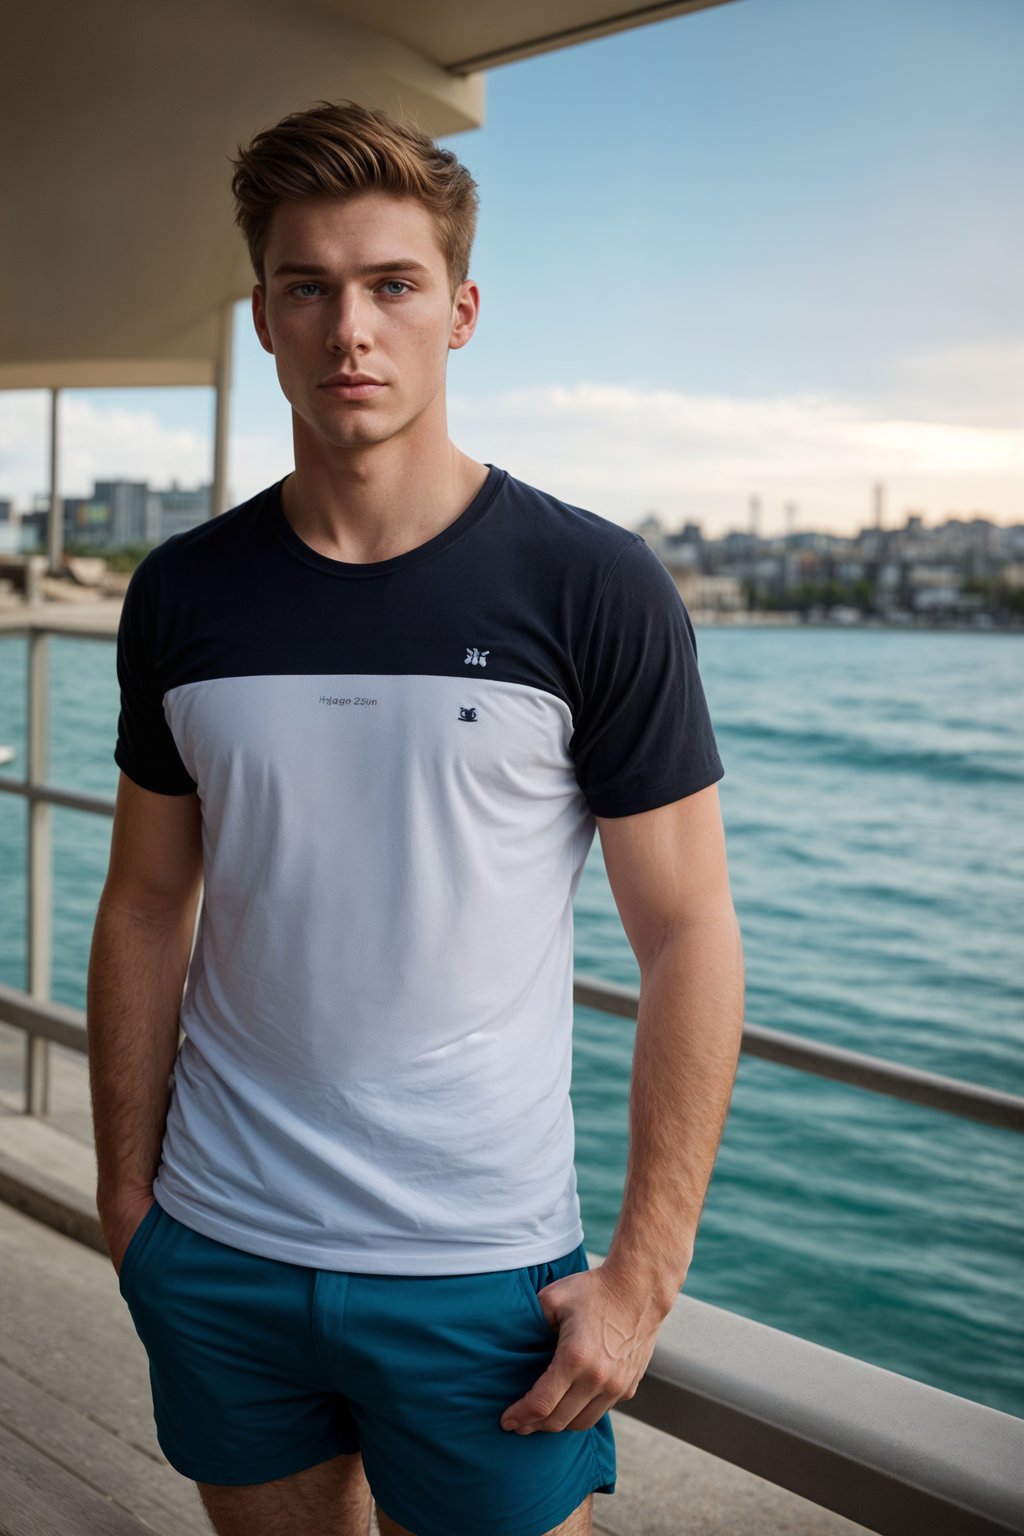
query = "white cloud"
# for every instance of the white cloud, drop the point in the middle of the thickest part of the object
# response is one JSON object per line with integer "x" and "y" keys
{"x": 96, "y": 443}
{"x": 110, "y": 443}
{"x": 622, "y": 451}
{"x": 976, "y": 384}
{"x": 256, "y": 460}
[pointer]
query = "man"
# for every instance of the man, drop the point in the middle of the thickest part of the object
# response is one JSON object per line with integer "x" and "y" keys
{"x": 377, "y": 712}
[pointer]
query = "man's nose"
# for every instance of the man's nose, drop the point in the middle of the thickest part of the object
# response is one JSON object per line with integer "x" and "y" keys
{"x": 350, "y": 324}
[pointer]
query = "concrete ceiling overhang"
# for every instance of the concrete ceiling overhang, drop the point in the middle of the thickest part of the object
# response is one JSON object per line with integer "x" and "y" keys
{"x": 120, "y": 118}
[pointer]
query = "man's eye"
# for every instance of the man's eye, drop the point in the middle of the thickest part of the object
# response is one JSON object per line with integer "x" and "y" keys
{"x": 396, "y": 282}
{"x": 303, "y": 285}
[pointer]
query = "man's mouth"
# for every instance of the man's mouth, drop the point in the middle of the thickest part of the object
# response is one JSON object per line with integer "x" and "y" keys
{"x": 352, "y": 386}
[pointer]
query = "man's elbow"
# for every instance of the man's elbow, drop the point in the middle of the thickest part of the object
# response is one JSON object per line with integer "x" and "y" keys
{"x": 713, "y": 924}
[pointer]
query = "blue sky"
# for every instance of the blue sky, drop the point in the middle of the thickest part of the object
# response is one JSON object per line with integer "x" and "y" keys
{"x": 773, "y": 248}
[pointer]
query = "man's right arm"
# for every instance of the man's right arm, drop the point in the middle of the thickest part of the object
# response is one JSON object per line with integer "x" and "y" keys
{"x": 141, "y": 945}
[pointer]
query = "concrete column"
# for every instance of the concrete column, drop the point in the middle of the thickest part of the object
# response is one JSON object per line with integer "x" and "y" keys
{"x": 222, "y": 413}
{"x": 55, "y": 521}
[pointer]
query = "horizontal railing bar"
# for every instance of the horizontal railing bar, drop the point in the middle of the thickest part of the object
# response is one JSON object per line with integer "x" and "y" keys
{"x": 43, "y": 1017}
{"x": 605, "y": 996}
{"x": 66, "y": 1026}
{"x": 893, "y": 1454}
{"x": 971, "y": 1101}
{"x": 990, "y": 1106}
{"x": 99, "y": 805}
{"x": 70, "y": 630}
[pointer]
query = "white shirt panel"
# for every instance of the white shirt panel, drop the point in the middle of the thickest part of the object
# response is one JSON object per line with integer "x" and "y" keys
{"x": 385, "y": 949}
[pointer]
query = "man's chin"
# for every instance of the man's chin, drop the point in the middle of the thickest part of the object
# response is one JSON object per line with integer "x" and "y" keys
{"x": 354, "y": 441}
{"x": 362, "y": 432}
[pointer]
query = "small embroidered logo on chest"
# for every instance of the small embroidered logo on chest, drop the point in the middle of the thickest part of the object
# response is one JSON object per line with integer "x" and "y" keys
{"x": 475, "y": 658}
{"x": 467, "y": 714}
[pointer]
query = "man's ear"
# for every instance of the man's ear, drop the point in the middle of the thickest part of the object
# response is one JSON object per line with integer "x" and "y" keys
{"x": 465, "y": 313}
{"x": 259, "y": 319}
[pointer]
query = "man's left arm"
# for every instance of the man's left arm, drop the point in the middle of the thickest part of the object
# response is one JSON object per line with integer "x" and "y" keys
{"x": 668, "y": 873}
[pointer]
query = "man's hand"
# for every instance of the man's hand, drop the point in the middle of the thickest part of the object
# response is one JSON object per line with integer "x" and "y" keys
{"x": 120, "y": 1219}
{"x": 607, "y": 1331}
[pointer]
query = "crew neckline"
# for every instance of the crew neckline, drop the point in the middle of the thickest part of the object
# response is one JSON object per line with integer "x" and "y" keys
{"x": 410, "y": 557}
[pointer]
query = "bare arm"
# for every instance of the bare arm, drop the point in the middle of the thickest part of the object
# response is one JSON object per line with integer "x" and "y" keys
{"x": 667, "y": 869}
{"x": 137, "y": 965}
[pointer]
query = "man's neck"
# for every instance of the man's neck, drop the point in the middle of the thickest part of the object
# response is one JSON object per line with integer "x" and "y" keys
{"x": 378, "y": 502}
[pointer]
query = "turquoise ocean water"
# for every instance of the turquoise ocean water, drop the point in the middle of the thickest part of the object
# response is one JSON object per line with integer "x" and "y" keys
{"x": 874, "y": 818}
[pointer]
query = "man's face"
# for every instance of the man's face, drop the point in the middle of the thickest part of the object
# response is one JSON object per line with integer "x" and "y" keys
{"x": 366, "y": 295}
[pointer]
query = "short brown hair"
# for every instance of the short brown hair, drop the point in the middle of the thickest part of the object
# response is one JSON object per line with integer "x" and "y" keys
{"x": 340, "y": 150}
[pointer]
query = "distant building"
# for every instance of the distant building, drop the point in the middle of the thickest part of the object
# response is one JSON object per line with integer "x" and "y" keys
{"x": 681, "y": 557}
{"x": 86, "y": 521}
{"x": 810, "y": 541}
{"x": 941, "y": 599}
{"x": 926, "y": 574}
{"x": 737, "y": 543}
{"x": 849, "y": 571}
{"x": 717, "y": 594}
{"x": 686, "y": 584}
{"x": 767, "y": 575}
{"x": 134, "y": 511}
{"x": 33, "y": 530}
{"x": 181, "y": 509}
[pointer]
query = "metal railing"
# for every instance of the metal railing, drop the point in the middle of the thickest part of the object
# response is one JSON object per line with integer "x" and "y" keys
{"x": 42, "y": 797}
{"x": 893, "y": 1454}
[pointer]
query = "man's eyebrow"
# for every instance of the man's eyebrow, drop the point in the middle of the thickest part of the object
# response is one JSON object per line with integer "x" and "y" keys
{"x": 301, "y": 269}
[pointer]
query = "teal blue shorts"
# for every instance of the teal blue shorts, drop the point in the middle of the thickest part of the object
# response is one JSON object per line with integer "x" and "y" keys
{"x": 260, "y": 1368}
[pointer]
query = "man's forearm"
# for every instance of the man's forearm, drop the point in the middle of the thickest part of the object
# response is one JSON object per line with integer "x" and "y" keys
{"x": 689, "y": 1027}
{"x": 137, "y": 968}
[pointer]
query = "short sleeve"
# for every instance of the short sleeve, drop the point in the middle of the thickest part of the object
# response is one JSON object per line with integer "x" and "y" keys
{"x": 642, "y": 736}
{"x": 145, "y": 748}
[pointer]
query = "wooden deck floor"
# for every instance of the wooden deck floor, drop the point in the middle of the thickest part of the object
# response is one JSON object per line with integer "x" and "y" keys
{"x": 78, "y": 1451}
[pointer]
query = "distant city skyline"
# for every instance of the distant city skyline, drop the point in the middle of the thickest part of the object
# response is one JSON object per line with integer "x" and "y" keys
{"x": 764, "y": 250}
{"x": 181, "y": 506}
{"x": 960, "y": 572}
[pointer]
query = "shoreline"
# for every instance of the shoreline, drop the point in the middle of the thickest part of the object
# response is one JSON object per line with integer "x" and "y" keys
{"x": 84, "y": 608}
{"x": 708, "y": 618}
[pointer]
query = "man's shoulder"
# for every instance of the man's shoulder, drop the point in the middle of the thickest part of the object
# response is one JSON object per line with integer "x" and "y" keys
{"x": 579, "y": 532}
{"x": 202, "y": 546}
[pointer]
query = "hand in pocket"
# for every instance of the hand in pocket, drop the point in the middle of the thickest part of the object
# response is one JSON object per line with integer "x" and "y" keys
{"x": 120, "y": 1224}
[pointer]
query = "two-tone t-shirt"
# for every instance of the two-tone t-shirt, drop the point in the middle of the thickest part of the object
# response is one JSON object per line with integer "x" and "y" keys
{"x": 399, "y": 765}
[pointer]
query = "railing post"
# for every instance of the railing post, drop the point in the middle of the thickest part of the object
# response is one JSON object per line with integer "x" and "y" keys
{"x": 55, "y": 521}
{"x": 40, "y": 870}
